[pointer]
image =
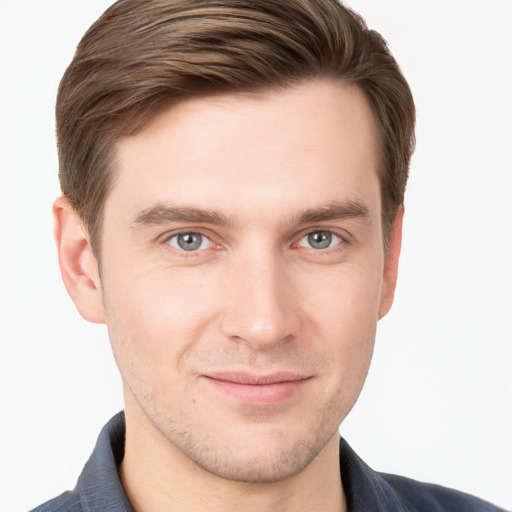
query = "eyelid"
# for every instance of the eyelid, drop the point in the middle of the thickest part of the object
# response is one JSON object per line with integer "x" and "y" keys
{"x": 186, "y": 231}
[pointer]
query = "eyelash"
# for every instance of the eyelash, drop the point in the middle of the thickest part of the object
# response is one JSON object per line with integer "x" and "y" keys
{"x": 343, "y": 239}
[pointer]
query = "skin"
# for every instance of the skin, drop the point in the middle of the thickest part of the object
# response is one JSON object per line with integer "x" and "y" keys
{"x": 259, "y": 298}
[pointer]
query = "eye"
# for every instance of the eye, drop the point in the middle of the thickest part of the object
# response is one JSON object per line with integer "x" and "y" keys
{"x": 320, "y": 240}
{"x": 189, "y": 242}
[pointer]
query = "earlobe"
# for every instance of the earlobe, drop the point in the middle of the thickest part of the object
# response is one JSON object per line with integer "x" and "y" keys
{"x": 391, "y": 258}
{"x": 78, "y": 265}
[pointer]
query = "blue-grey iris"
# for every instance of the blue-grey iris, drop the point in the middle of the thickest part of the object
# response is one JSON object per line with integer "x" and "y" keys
{"x": 320, "y": 240}
{"x": 190, "y": 241}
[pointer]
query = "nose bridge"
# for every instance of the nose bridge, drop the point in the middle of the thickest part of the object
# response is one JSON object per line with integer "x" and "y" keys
{"x": 259, "y": 308}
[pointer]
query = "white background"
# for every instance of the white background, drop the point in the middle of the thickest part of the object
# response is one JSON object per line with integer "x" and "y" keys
{"x": 438, "y": 402}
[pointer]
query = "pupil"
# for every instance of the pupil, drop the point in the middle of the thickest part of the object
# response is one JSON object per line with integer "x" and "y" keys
{"x": 190, "y": 241}
{"x": 320, "y": 240}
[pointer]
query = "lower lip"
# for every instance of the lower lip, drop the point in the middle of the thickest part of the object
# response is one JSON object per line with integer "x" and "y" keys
{"x": 259, "y": 394}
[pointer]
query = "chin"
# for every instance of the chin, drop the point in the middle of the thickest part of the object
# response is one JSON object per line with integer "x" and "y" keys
{"x": 264, "y": 465}
{"x": 263, "y": 456}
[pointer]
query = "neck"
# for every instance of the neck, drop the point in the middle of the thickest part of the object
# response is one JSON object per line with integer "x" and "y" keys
{"x": 158, "y": 476}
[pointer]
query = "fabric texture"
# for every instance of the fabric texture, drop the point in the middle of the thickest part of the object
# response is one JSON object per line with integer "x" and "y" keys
{"x": 99, "y": 487}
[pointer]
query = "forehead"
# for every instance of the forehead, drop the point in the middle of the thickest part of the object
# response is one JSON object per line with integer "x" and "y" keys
{"x": 297, "y": 148}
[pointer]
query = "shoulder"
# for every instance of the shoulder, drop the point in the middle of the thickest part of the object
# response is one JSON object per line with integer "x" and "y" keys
{"x": 368, "y": 490}
{"x": 66, "y": 502}
{"x": 425, "y": 497}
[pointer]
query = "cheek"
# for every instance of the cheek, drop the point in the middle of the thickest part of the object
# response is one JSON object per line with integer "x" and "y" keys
{"x": 343, "y": 300}
{"x": 154, "y": 319}
{"x": 342, "y": 311}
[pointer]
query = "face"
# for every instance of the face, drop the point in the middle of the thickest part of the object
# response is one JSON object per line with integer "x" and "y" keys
{"x": 243, "y": 274}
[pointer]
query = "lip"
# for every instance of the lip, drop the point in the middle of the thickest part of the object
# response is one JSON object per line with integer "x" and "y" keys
{"x": 256, "y": 389}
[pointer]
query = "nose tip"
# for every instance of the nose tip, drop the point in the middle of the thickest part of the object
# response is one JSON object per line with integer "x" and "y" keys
{"x": 262, "y": 336}
{"x": 259, "y": 308}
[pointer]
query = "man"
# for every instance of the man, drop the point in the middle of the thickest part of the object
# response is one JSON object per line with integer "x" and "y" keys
{"x": 233, "y": 176}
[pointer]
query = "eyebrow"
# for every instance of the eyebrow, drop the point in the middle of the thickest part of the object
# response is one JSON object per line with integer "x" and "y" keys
{"x": 335, "y": 211}
{"x": 161, "y": 214}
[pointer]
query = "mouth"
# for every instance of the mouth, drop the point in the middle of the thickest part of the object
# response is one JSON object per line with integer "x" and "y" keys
{"x": 257, "y": 389}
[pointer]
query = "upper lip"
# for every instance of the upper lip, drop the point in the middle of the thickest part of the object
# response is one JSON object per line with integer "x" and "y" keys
{"x": 254, "y": 379}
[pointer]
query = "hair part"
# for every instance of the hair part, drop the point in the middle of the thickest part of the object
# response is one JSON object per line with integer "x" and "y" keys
{"x": 142, "y": 56}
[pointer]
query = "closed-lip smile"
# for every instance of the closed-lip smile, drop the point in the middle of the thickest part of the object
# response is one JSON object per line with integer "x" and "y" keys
{"x": 258, "y": 389}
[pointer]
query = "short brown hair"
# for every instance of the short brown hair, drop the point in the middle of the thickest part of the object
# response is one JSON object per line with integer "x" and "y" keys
{"x": 143, "y": 55}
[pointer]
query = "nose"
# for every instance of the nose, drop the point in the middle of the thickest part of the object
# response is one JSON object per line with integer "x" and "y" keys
{"x": 260, "y": 306}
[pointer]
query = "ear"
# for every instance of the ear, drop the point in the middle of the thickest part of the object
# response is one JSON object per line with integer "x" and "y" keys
{"x": 391, "y": 258}
{"x": 78, "y": 265}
